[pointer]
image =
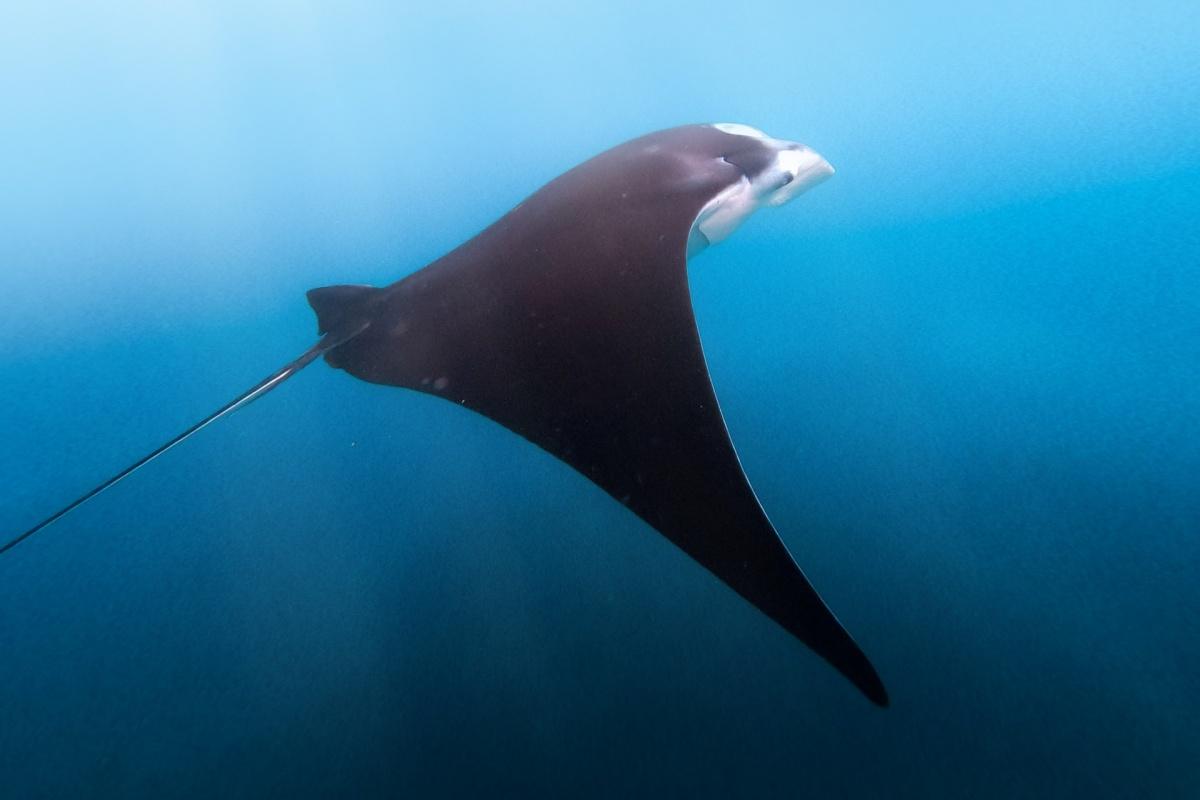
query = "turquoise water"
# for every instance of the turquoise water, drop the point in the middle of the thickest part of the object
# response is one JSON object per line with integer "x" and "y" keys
{"x": 963, "y": 375}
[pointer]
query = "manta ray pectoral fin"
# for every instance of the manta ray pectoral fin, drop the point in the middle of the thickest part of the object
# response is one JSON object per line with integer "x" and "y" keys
{"x": 611, "y": 380}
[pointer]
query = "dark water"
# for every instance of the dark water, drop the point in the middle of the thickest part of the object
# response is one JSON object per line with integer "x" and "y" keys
{"x": 964, "y": 377}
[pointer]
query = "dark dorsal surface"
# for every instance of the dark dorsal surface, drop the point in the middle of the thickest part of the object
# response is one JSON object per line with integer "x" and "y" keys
{"x": 569, "y": 321}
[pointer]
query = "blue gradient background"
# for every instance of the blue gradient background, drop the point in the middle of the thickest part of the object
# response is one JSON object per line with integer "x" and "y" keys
{"x": 964, "y": 377}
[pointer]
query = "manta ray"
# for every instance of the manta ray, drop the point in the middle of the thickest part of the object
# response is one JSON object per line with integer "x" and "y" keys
{"x": 569, "y": 321}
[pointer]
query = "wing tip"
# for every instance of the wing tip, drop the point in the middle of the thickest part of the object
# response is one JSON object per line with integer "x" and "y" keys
{"x": 853, "y": 664}
{"x": 870, "y": 684}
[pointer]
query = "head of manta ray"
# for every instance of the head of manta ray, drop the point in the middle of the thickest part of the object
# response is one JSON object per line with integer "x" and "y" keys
{"x": 773, "y": 172}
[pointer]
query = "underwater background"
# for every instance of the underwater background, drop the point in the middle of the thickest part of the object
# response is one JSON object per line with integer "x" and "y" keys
{"x": 963, "y": 377}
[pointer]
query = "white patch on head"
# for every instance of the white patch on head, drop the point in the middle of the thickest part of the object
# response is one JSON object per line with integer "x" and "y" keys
{"x": 738, "y": 129}
{"x": 794, "y": 170}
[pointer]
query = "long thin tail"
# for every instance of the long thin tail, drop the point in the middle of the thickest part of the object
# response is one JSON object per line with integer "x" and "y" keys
{"x": 258, "y": 390}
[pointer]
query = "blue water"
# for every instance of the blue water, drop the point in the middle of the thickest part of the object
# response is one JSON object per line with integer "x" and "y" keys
{"x": 963, "y": 375}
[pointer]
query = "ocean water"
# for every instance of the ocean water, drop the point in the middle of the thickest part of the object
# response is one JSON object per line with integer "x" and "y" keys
{"x": 963, "y": 376}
